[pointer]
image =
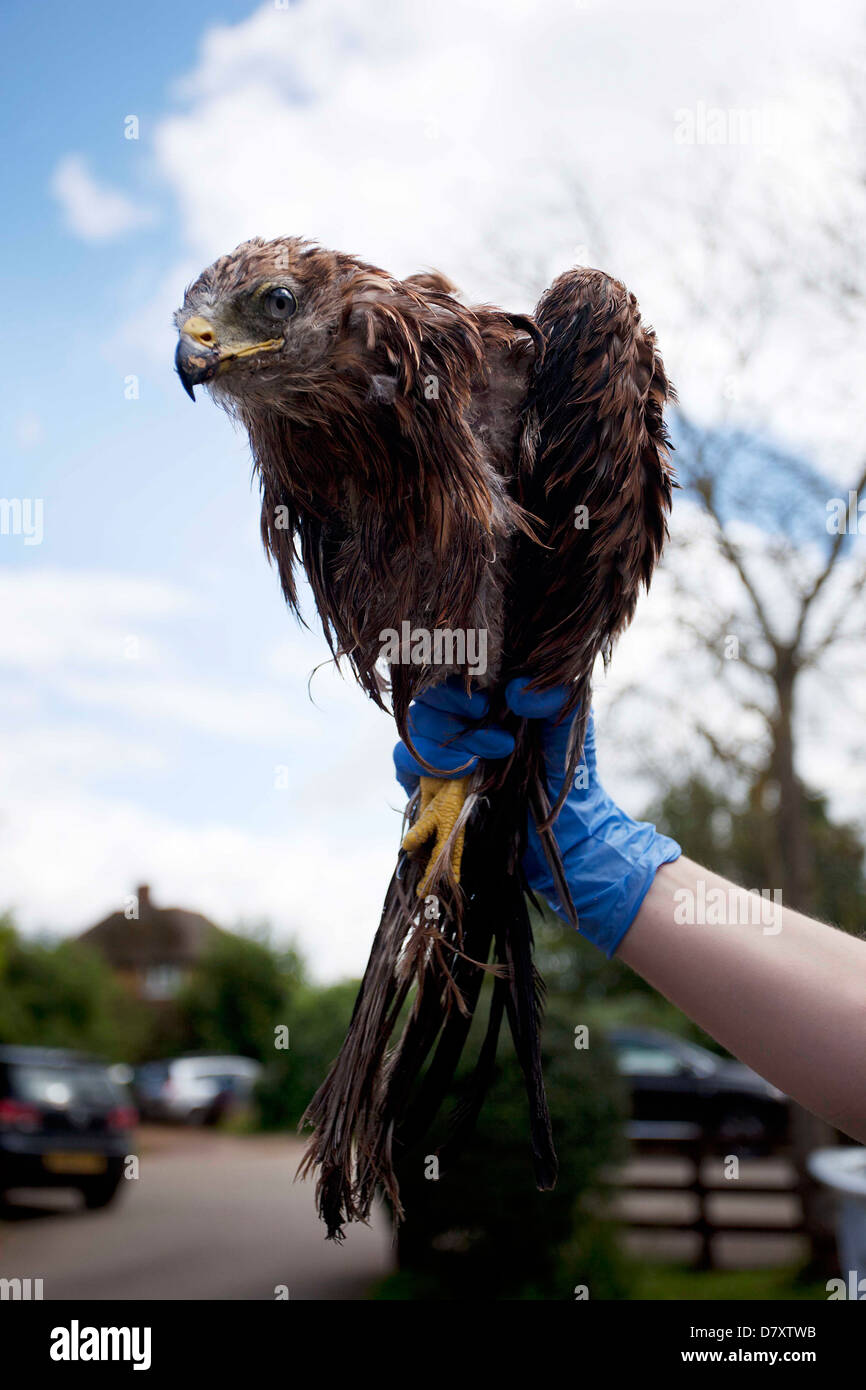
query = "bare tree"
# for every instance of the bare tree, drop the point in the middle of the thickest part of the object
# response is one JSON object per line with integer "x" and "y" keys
{"x": 786, "y": 299}
{"x": 822, "y": 583}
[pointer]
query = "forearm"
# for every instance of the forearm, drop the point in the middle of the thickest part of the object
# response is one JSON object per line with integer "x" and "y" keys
{"x": 790, "y": 1002}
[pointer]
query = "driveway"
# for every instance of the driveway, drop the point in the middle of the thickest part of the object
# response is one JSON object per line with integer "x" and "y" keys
{"x": 211, "y": 1216}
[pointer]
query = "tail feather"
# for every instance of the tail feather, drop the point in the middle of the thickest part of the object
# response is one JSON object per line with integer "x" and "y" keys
{"x": 375, "y": 1103}
{"x": 523, "y": 1006}
{"x": 465, "y": 1114}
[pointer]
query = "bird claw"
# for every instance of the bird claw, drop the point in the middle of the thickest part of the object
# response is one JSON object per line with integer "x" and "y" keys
{"x": 441, "y": 804}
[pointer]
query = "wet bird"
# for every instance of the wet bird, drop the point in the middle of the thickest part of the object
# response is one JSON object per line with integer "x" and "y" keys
{"x": 433, "y": 467}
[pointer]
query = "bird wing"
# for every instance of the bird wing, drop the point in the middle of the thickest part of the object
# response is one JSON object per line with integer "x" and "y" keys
{"x": 595, "y": 473}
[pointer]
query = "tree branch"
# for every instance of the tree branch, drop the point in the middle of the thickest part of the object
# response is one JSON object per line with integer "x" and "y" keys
{"x": 815, "y": 589}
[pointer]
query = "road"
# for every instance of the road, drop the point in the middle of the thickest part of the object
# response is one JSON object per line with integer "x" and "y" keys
{"x": 211, "y": 1216}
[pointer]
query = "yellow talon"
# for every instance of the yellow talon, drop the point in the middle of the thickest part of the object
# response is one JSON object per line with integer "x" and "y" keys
{"x": 441, "y": 804}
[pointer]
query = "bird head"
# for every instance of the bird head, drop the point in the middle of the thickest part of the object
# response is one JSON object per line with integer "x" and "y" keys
{"x": 257, "y": 318}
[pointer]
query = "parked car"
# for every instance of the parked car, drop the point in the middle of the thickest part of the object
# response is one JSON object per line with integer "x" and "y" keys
{"x": 680, "y": 1088}
{"x": 195, "y": 1090}
{"x": 64, "y": 1122}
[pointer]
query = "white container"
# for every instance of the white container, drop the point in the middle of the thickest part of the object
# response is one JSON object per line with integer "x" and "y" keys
{"x": 843, "y": 1170}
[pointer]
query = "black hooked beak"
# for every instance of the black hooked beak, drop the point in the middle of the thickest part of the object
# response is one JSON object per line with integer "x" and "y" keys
{"x": 198, "y": 354}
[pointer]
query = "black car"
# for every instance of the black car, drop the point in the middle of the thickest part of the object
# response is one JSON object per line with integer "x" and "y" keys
{"x": 680, "y": 1090}
{"x": 64, "y": 1122}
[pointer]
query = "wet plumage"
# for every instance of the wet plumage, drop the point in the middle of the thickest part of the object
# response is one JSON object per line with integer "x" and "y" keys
{"x": 427, "y": 462}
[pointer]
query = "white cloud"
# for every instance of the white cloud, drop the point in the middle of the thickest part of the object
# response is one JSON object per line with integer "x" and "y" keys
{"x": 115, "y": 642}
{"x": 89, "y": 759}
{"x": 242, "y": 712}
{"x": 59, "y": 620}
{"x": 91, "y": 209}
{"x": 476, "y": 139}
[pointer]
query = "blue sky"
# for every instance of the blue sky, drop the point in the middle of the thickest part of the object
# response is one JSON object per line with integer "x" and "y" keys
{"x": 152, "y": 682}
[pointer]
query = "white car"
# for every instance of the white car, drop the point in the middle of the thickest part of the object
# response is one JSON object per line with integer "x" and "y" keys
{"x": 195, "y": 1090}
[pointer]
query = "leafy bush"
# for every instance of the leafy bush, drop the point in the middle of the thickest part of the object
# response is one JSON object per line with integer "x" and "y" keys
{"x": 63, "y": 995}
{"x": 317, "y": 1020}
{"x": 241, "y": 990}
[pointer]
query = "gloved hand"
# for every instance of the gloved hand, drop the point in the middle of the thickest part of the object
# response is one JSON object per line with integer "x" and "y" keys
{"x": 610, "y": 860}
{"x": 437, "y": 723}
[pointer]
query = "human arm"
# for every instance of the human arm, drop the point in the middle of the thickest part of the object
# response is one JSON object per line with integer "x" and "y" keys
{"x": 787, "y": 997}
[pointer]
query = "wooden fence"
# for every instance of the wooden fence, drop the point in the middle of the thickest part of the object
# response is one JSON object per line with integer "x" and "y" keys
{"x": 704, "y": 1181}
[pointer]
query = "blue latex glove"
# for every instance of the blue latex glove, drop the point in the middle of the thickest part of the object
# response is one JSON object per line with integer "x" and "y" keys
{"x": 438, "y": 722}
{"x": 610, "y": 860}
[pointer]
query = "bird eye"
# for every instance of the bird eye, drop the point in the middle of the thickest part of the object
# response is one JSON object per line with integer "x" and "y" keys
{"x": 280, "y": 303}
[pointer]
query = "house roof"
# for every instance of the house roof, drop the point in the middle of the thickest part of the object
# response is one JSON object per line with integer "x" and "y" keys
{"x": 158, "y": 936}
